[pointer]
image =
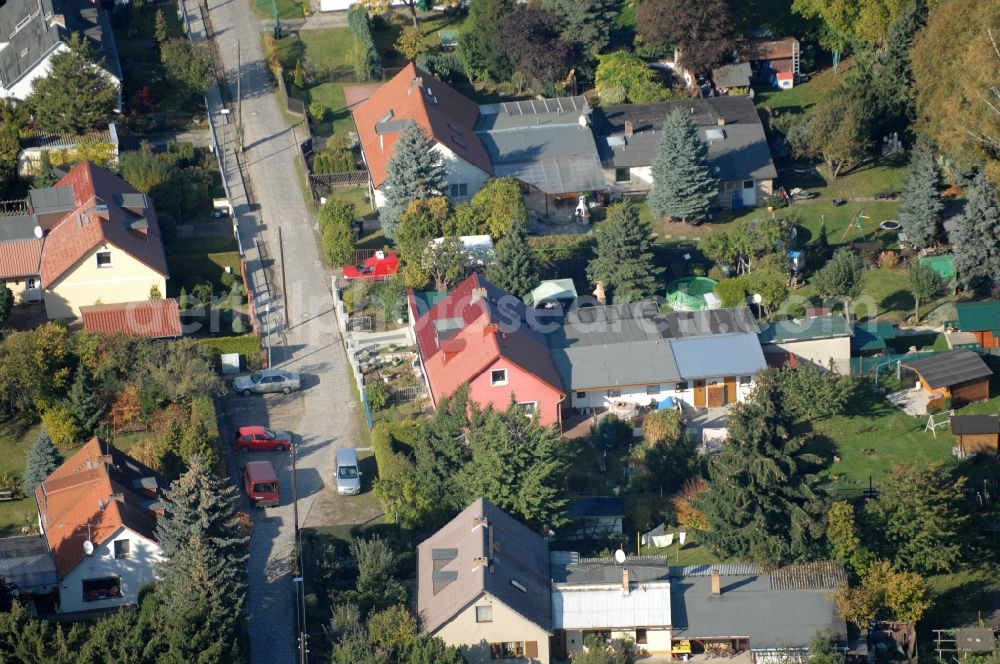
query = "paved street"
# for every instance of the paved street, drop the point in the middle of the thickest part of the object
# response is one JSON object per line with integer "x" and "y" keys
{"x": 322, "y": 414}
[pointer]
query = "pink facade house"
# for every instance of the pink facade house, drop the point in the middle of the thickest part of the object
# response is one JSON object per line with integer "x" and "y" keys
{"x": 479, "y": 334}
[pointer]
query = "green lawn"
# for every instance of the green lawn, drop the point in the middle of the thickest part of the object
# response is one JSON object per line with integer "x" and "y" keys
{"x": 193, "y": 260}
{"x": 16, "y": 438}
{"x": 286, "y": 8}
{"x": 325, "y": 55}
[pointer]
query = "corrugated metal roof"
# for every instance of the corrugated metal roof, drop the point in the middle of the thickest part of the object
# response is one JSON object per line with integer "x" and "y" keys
{"x": 630, "y": 363}
{"x": 576, "y": 607}
{"x": 950, "y": 368}
{"x": 819, "y": 327}
{"x": 26, "y": 563}
{"x": 978, "y": 316}
{"x": 725, "y": 355}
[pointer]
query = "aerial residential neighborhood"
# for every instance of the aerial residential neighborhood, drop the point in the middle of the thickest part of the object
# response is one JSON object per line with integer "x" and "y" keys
{"x": 593, "y": 332}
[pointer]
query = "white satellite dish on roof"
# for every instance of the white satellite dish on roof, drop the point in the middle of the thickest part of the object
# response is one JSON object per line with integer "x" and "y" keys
{"x": 88, "y": 547}
{"x": 39, "y": 233}
{"x": 619, "y": 556}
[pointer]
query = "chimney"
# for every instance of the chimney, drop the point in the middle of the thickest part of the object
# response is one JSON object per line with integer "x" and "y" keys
{"x": 490, "y": 330}
{"x": 57, "y": 19}
{"x": 625, "y": 581}
{"x": 721, "y": 122}
{"x": 629, "y": 129}
{"x": 478, "y": 294}
{"x": 716, "y": 583}
{"x": 451, "y": 348}
{"x": 415, "y": 84}
{"x": 599, "y": 293}
{"x": 479, "y": 521}
{"x": 480, "y": 562}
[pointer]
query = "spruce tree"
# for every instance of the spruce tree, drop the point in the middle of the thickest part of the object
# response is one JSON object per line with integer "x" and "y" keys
{"x": 623, "y": 259}
{"x": 440, "y": 452}
{"x": 514, "y": 266}
{"x": 976, "y": 238}
{"x": 892, "y": 79}
{"x": 684, "y": 184}
{"x": 765, "y": 500}
{"x": 414, "y": 171}
{"x": 76, "y": 95}
{"x": 42, "y": 459}
{"x": 46, "y": 176}
{"x": 82, "y": 403}
{"x": 920, "y": 208}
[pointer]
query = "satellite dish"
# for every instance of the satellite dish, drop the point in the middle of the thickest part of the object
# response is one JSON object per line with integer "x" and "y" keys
{"x": 757, "y": 298}
{"x": 39, "y": 233}
{"x": 88, "y": 547}
{"x": 619, "y": 556}
{"x": 583, "y": 121}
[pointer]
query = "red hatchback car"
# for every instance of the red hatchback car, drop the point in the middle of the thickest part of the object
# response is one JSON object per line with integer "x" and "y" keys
{"x": 381, "y": 265}
{"x": 262, "y": 439}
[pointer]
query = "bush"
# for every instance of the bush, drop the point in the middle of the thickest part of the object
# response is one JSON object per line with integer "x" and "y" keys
{"x": 561, "y": 247}
{"x": 716, "y": 273}
{"x": 369, "y": 63}
{"x": 317, "y": 111}
{"x": 446, "y": 67}
{"x": 247, "y": 346}
{"x": 338, "y": 243}
{"x": 732, "y": 292}
{"x": 61, "y": 425}
{"x": 334, "y": 161}
{"x": 377, "y": 395}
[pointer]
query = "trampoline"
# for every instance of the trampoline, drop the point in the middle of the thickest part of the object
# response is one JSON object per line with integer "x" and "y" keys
{"x": 692, "y": 294}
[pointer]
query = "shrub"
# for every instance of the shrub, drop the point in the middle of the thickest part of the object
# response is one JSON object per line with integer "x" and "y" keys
{"x": 889, "y": 260}
{"x": 377, "y": 395}
{"x": 411, "y": 42}
{"x": 317, "y": 111}
{"x": 369, "y": 63}
{"x": 561, "y": 247}
{"x": 732, "y": 292}
{"x": 61, "y": 425}
{"x": 716, "y": 273}
{"x": 333, "y": 161}
{"x": 238, "y": 326}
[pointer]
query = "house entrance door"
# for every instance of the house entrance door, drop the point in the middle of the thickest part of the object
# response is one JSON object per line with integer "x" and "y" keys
{"x": 730, "y": 389}
{"x": 699, "y": 394}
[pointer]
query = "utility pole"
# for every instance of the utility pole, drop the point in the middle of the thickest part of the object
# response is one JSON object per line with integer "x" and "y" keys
{"x": 239, "y": 97}
{"x": 284, "y": 289}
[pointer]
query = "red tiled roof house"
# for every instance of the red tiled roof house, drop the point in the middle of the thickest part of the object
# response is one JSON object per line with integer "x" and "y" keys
{"x": 478, "y": 334}
{"x": 445, "y": 115}
{"x": 90, "y": 239}
{"x": 98, "y": 514}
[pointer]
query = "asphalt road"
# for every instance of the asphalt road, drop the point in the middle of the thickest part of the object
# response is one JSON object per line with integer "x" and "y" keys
{"x": 322, "y": 414}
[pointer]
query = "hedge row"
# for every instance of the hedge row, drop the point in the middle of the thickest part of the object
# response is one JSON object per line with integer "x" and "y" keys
{"x": 334, "y": 161}
{"x": 203, "y": 411}
{"x": 357, "y": 19}
{"x": 248, "y": 346}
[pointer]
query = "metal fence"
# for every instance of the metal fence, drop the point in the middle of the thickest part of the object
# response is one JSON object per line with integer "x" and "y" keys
{"x": 333, "y": 180}
{"x": 407, "y": 394}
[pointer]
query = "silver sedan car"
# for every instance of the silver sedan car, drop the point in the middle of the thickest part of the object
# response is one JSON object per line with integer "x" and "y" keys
{"x": 268, "y": 380}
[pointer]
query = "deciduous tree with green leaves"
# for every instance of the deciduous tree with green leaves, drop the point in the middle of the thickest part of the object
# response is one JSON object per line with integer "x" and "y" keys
{"x": 415, "y": 171}
{"x": 924, "y": 284}
{"x": 885, "y": 593}
{"x": 920, "y": 205}
{"x": 852, "y": 22}
{"x": 842, "y": 536}
{"x": 596, "y": 650}
{"x": 976, "y": 238}
{"x": 684, "y": 184}
{"x": 42, "y": 459}
{"x": 843, "y": 277}
{"x": 188, "y": 63}
{"x": 765, "y": 499}
{"x": 623, "y": 259}
{"x": 377, "y": 587}
{"x": 498, "y": 206}
{"x": 514, "y": 267}
{"x": 444, "y": 261}
{"x": 622, "y": 76}
{"x": 6, "y": 302}
{"x": 335, "y": 219}
{"x": 77, "y": 95}
{"x": 838, "y": 130}
{"x": 478, "y": 50}
{"x": 586, "y": 23}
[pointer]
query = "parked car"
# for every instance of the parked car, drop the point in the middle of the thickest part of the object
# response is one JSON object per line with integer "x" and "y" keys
{"x": 262, "y": 439}
{"x": 261, "y": 484}
{"x": 381, "y": 265}
{"x": 268, "y": 380}
{"x": 348, "y": 473}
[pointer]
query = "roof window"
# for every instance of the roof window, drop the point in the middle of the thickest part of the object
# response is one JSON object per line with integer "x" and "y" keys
{"x": 517, "y": 584}
{"x": 715, "y": 134}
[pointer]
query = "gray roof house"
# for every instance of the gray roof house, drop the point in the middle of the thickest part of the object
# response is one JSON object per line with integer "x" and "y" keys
{"x": 628, "y": 138}
{"x": 36, "y": 29}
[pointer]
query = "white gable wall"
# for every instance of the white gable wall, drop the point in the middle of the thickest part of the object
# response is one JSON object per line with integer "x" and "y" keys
{"x": 457, "y": 171}
{"x": 135, "y": 572}
{"x": 22, "y": 88}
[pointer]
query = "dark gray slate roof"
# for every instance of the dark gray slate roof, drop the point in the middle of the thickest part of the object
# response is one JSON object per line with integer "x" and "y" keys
{"x": 615, "y": 365}
{"x": 52, "y": 199}
{"x": 20, "y": 227}
{"x": 732, "y": 76}
{"x": 809, "y": 329}
{"x": 967, "y": 425}
{"x": 449, "y": 577}
{"x": 26, "y": 27}
{"x": 739, "y": 152}
{"x": 749, "y": 606}
{"x": 950, "y": 368}
{"x": 541, "y": 142}
{"x": 596, "y": 506}
{"x": 642, "y": 321}
{"x": 721, "y": 355}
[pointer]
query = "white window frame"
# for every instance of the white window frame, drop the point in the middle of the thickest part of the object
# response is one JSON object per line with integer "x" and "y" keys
{"x": 127, "y": 546}
{"x": 613, "y": 394}
{"x": 498, "y": 383}
{"x": 97, "y": 257}
{"x": 489, "y": 618}
{"x": 533, "y": 404}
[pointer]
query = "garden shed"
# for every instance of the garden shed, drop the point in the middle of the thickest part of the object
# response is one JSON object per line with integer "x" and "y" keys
{"x": 982, "y": 320}
{"x": 959, "y": 375}
{"x": 976, "y": 434}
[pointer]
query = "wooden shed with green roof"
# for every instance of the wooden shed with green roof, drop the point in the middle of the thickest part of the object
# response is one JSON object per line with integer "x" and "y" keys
{"x": 982, "y": 320}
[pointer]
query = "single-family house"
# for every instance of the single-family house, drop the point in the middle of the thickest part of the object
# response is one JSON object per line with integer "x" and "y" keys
{"x": 548, "y": 147}
{"x": 634, "y": 353}
{"x": 823, "y": 342}
{"x": 35, "y": 30}
{"x": 445, "y": 115}
{"x": 982, "y": 320}
{"x": 90, "y": 239}
{"x": 98, "y": 514}
{"x": 959, "y": 375}
{"x": 485, "y": 337}
{"x": 483, "y": 586}
{"x": 628, "y": 139}
{"x": 772, "y": 614}
{"x": 976, "y": 434}
{"x": 620, "y": 601}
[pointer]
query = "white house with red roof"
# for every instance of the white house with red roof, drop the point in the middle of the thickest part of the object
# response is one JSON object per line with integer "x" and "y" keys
{"x": 98, "y": 514}
{"x": 91, "y": 239}
{"x": 479, "y": 334}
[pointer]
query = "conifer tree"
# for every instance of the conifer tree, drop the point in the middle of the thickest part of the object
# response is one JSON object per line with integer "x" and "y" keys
{"x": 623, "y": 259}
{"x": 160, "y": 31}
{"x": 45, "y": 177}
{"x": 765, "y": 500}
{"x": 414, "y": 171}
{"x": 920, "y": 207}
{"x": 43, "y": 458}
{"x": 514, "y": 267}
{"x": 76, "y": 95}
{"x": 976, "y": 239}
{"x": 441, "y": 453}
{"x": 683, "y": 182}
{"x": 82, "y": 403}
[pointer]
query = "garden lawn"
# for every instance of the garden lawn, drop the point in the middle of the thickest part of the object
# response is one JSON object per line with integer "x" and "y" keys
{"x": 286, "y": 8}
{"x": 195, "y": 260}
{"x": 325, "y": 54}
{"x": 15, "y": 440}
